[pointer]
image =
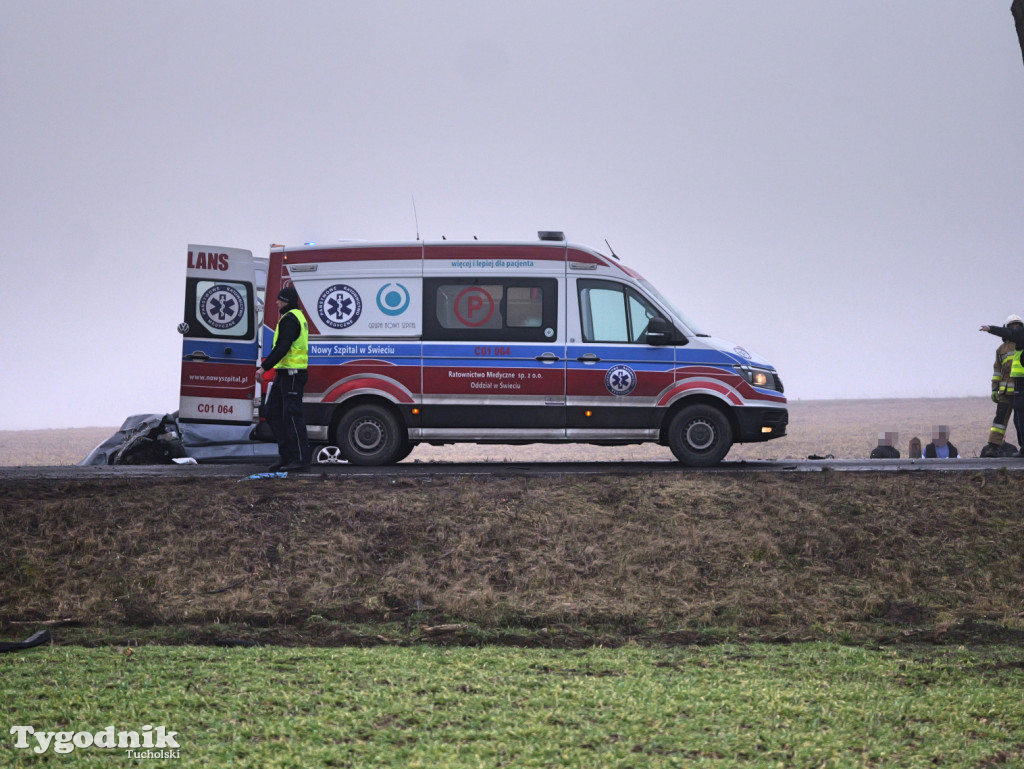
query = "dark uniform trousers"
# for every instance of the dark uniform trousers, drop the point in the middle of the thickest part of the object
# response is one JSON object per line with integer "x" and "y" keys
{"x": 284, "y": 414}
{"x": 1003, "y": 408}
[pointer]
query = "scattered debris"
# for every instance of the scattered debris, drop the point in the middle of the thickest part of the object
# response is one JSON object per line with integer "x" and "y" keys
{"x": 262, "y": 476}
{"x": 36, "y": 639}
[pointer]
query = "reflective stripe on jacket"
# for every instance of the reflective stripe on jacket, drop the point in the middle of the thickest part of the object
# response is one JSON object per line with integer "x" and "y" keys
{"x": 1002, "y": 382}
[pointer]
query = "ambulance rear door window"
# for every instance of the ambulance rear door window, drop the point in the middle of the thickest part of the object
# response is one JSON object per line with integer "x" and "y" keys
{"x": 219, "y": 309}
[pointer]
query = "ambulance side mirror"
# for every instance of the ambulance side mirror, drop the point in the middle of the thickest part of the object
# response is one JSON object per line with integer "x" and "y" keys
{"x": 660, "y": 332}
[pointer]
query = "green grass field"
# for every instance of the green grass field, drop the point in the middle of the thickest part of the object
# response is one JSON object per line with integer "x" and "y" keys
{"x": 801, "y": 705}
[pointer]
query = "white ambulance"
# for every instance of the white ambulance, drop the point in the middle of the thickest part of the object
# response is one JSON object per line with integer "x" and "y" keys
{"x": 443, "y": 342}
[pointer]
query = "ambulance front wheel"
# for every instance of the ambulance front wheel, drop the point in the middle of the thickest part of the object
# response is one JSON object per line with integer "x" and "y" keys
{"x": 700, "y": 436}
{"x": 371, "y": 435}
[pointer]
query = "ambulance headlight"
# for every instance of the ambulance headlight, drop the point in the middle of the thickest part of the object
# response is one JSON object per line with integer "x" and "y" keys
{"x": 759, "y": 377}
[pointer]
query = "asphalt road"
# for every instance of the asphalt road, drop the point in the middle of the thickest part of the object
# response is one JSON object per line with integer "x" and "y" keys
{"x": 499, "y": 469}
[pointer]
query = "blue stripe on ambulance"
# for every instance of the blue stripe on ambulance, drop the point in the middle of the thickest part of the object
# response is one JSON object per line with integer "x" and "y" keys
{"x": 339, "y": 352}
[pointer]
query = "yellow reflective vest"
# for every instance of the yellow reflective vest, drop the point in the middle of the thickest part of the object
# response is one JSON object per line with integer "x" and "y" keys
{"x": 1017, "y": 370}
{"x": 298, "y": 354}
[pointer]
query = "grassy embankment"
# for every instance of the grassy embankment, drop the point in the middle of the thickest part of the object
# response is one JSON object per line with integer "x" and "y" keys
{"x": 527, "y": 561}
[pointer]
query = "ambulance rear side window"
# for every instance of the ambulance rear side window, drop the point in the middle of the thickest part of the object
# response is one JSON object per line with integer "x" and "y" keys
{"x": 510, "y": 309}
{"x": 525, "y": 307}
{"x": 219, "y": 309}
{"x": 470, "y": 307}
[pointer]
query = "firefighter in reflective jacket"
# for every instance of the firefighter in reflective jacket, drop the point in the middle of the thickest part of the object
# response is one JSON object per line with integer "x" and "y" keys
{"x": 290, "y": 360}
{"x": 1007, "y": 384}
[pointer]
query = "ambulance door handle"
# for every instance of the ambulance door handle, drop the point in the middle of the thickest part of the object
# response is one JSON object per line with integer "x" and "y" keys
{"x": 589, "y": 358}
{"x": 548, "y": 357}
{"x": 197, "y": 355}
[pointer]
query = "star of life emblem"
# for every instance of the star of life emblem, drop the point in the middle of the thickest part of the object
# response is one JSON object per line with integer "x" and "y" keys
{"x": 221, "y": 307}
{"x": 620, "y": 380}
{"x": 339, "y": 306}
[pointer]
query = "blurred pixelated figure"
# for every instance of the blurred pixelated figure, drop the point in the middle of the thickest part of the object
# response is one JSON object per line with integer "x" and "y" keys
{"x": 886, "y": 448}
{"x": 940, "y": 447}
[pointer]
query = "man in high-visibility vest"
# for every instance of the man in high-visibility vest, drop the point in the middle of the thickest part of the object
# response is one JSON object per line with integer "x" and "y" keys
{"x": 1014, "y": 332}
{"x": 290, "y": 361}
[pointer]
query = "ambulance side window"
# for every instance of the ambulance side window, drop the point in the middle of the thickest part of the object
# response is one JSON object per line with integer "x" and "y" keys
{"x": 603, "y": 312}
{"x": 497, "y": 309}
{"x": 470, "y": 307}
{"x": 613, "y": 313}
{"x": 640, "y": 314}
{"x": 525, "y": 308}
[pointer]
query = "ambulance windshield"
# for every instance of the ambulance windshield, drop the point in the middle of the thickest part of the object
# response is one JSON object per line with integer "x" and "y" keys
{"x": 664, "y": 301}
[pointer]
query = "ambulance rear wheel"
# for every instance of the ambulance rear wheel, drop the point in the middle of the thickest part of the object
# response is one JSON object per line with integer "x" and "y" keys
{"x": 371, "y": 435}
{"x": 700, "y": 436}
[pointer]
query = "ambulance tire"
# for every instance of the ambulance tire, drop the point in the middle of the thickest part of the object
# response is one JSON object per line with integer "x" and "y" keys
{"x": 369, "y": 434}
{"x": 700, "y": 435}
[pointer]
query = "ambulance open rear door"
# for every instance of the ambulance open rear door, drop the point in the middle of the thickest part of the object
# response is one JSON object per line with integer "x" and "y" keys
{"x": 219, "y": 345}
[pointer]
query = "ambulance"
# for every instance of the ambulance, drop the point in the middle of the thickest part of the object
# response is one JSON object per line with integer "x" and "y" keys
{"x": 485, "y": 342}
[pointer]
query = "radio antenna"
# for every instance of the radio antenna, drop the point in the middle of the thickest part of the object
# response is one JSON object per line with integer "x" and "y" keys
{"x": 612, "y": 250}
{"x": 415, "y": 217}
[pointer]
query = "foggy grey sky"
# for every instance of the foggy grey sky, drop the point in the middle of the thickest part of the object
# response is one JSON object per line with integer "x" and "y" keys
{"x": 836, "y": 186}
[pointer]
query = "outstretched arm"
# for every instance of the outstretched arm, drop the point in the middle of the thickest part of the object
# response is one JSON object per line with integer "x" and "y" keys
{"x": 1015, "y": 335}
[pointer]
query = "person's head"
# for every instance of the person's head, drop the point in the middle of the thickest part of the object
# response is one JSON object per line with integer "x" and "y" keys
{"x": 287, "y": 299}
{"x": 1014, "y": 321}
{"x": 940, "y": 434}
{"x": 915, "y": 447}
{"x": 888, "y": 438}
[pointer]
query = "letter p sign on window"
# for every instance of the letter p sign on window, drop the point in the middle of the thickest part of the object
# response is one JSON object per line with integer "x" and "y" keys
{"x": 474, "y": 307}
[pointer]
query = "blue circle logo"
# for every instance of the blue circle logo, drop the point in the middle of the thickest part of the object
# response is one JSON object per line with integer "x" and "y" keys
{"x": 339, "y": 306}
{"x": 393, "y": 299}
{"x": 222, "y": 307}
{"x": 620, "y": 380}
